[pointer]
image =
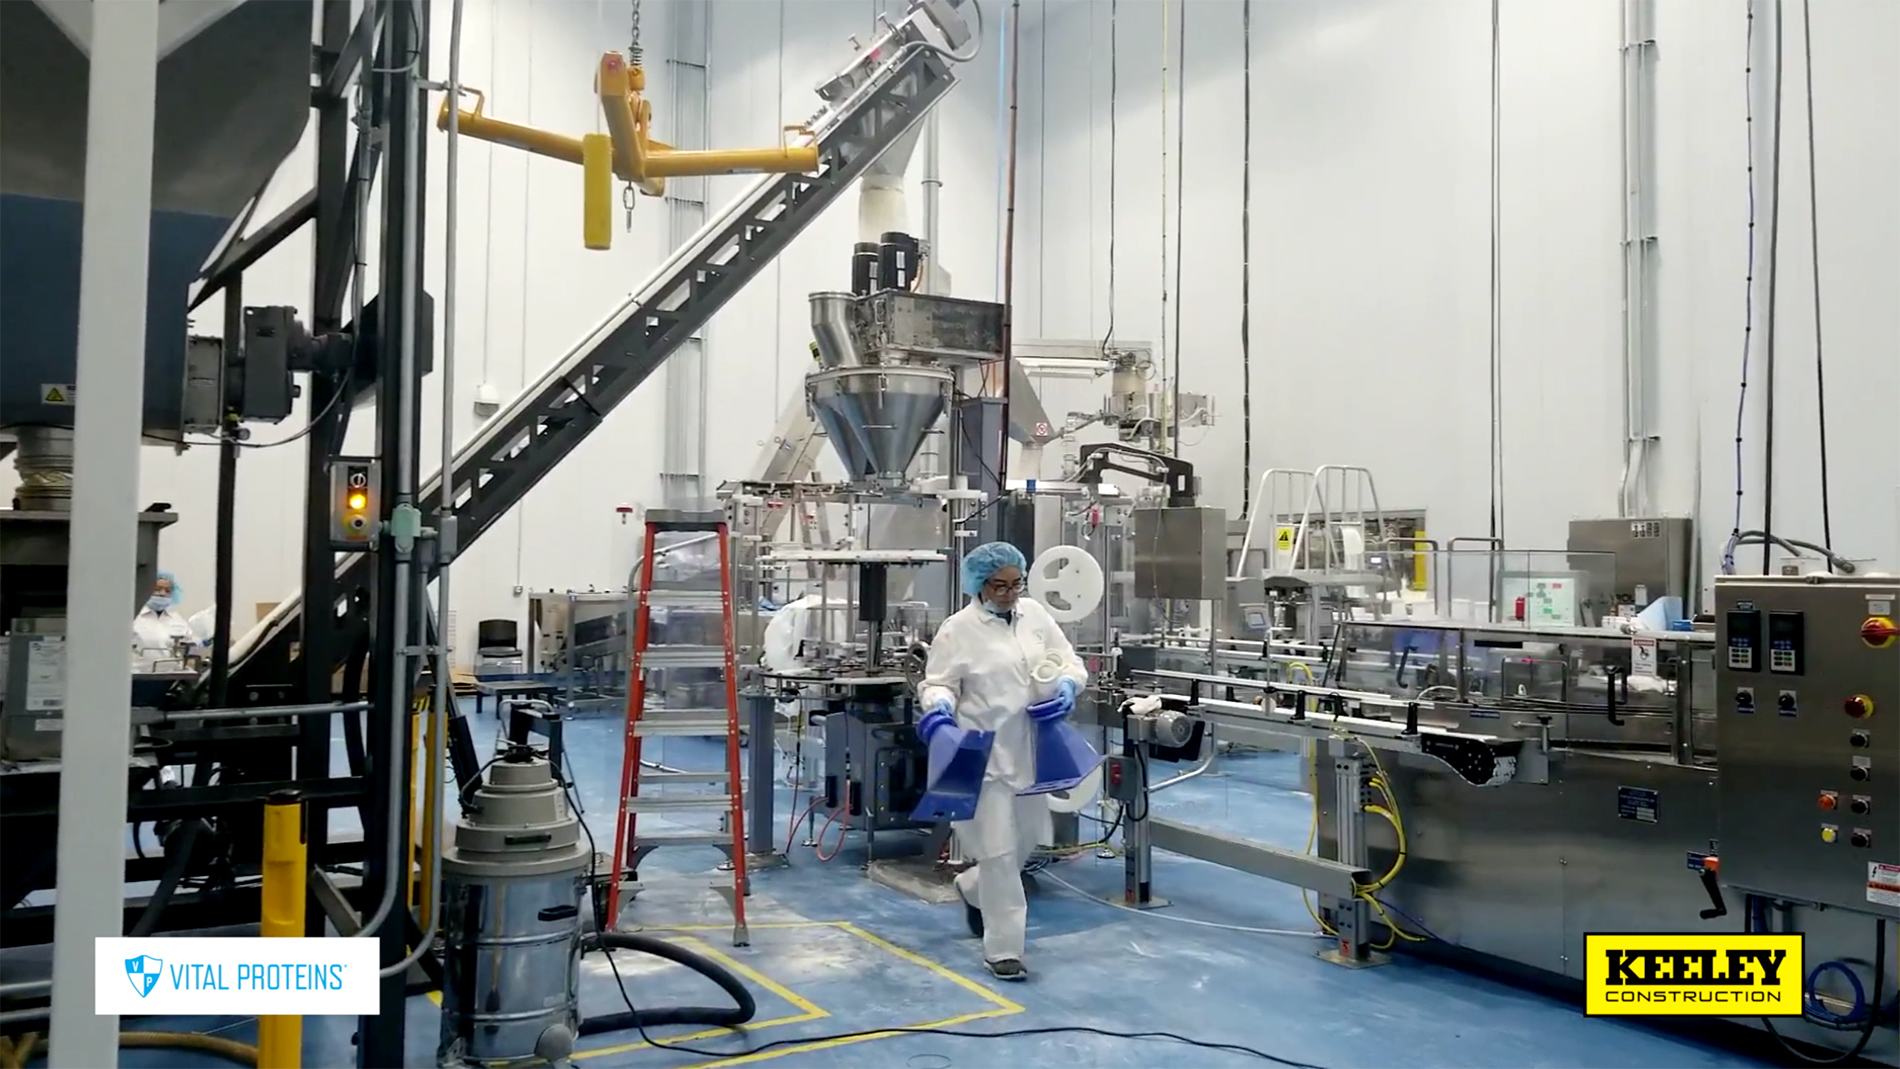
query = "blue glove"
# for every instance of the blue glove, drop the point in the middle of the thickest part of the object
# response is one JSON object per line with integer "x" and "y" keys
{"x": 1051, "y": 708}
{"x": 1067, "y": 689}
{"x": 939, "y": 717}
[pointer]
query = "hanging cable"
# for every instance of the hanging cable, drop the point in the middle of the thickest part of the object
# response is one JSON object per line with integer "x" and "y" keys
{"x": 1774, "y": 275}
{"x": 1114, "y": 67}
{"x": 1042, "y": 177}
{"x": 1246, "y": 256}
{"x": 1497, "y": 360}
{"x": 1180, "y": 173}
{"x": 1009, "y": 241}
{"x": 1164, "y": 427}
{"x": 1748, "y": 298}
{"x": 1814, "y": 249}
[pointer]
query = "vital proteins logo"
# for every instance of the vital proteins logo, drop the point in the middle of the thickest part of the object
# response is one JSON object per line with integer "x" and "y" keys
{"x": 237, "y": 976}
{"x": 1693, "y": 975}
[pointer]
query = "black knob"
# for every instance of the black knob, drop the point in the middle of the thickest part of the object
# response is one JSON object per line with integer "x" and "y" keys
{"x": 1858, "y": 738}
{"x": 1785, "y": 701}
{"x": 1860, "y": 773}
{"x": 1745, "y": 698}
{"x": 1861, "y": 838}
{"x": 1859, "y": 805}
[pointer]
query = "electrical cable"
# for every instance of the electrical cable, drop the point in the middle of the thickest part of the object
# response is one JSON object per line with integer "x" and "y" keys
{"x": 1774, "y": 277}
{"x": 1246, "y": 256}
{"x": 1872, "y": 1018}
{"x": 1497, "y": 358}
{"x": 1180, "y": 202}
{"x": 1114, "y": 70}
{"x": 1814, "y": 250}
{"x": 1748, "y": 299}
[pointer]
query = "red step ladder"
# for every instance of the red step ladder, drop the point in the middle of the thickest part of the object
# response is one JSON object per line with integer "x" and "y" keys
{"x": 631, "y": 847}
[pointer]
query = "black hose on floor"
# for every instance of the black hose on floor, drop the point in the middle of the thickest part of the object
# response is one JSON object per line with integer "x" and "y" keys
{"x": 742, "y": 1010}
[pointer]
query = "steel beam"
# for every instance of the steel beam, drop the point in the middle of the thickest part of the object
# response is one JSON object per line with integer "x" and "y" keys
{"x": 114, "y": 245}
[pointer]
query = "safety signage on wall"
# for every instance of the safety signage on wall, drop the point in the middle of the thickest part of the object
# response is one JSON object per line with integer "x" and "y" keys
{"x": 56, "y": 393}
{"x": 1883, "y": 884}
{"x": 1283, "y": 540}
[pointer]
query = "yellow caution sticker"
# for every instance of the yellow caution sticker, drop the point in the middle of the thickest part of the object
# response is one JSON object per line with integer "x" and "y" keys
{"x": 1283, "y": 540}
{"x": 56, "y": 393}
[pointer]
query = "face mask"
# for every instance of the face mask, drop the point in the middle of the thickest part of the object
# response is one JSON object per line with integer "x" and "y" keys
{"x": 994, "y": 610}
{"x": 158, "y": 602}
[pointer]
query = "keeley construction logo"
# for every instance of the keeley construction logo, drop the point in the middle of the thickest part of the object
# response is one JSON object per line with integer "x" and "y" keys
{"x": 1693, "y": 975}
{"x": 235, "y": 976}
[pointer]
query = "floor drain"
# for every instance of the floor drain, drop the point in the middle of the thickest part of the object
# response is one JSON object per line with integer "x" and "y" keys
{"x": 929, "y": 1061}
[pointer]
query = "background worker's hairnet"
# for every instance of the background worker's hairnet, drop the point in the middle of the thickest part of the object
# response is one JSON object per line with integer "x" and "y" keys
{"x": 178, "y": 589}
{"x": 986, "y": 560}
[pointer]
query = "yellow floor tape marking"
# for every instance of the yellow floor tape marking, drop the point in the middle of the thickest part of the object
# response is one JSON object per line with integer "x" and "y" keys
{"x": 808, "y": 1010}
{"x": 1000, "y": 1006}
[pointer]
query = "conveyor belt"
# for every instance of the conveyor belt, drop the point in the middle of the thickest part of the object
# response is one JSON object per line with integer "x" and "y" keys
{"x": 524, "y": 442}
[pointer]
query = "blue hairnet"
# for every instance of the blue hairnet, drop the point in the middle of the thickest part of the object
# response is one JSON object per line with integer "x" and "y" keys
{"x": 986, "y": 560}
{"x": 178, "y": 589}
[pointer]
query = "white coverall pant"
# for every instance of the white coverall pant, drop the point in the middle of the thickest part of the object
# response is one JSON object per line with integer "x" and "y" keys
{"x": 1005, "y": 832}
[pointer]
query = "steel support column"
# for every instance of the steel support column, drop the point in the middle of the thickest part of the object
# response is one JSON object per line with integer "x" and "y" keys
{"x": 114, "y": 245}
{"x": 397, "y": 615}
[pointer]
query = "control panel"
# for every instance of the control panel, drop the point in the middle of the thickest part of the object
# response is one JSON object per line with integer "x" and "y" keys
{"x": 354, "y": 507}
{"x": 1810, "y": 738}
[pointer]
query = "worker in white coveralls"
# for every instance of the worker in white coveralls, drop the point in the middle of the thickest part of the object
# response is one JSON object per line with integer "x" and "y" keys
{"x": 981, "y": 672}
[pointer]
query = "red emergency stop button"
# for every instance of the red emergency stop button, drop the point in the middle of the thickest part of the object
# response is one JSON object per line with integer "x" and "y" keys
{"x": 1879, "y": 632}
{"x": 1829, "y": 801}
{"x": 1860, "y": 707}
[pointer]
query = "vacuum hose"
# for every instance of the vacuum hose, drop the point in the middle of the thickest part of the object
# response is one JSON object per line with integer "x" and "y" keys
{"x": 742, "y": 1010}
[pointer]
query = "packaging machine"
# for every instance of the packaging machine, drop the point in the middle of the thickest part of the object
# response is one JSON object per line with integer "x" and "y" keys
{"x": 1530, "y": 784}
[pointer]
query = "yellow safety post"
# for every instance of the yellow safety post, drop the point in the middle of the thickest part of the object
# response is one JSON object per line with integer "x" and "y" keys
{"x": 1420, "y": 562}
{"x": 597, "y": 191}
{"x": 280, "y": 1037}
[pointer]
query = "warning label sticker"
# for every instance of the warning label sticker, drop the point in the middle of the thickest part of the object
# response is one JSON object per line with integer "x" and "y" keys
{"x": 1883, "y": 884}
{"x": 56, "y": 393}
{"x": 1283, "y": 539}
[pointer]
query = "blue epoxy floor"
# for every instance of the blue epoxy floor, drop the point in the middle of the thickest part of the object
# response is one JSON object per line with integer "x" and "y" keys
{"x": 832, "y": 952}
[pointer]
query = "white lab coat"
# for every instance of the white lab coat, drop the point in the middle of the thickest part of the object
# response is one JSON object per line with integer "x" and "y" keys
{"x": 981, "y": 663}
{"x": 154, "y": 635}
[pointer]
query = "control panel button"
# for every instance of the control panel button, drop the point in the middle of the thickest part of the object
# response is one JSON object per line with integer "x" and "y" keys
{"x": 1829, "y": 801}
{"x": 1829, "y": 833}
{"x": 1744, "y": 699}
{"x": 1860, "y": 707}
{"x": 1879, "y": 632}
{"x": 1860, "y": 773}
{"x": 1859, "y": 739}
{"x": 1785, "y": 703}
{"x": 1861, "y": 804}
{"x": 1861, "y": 838}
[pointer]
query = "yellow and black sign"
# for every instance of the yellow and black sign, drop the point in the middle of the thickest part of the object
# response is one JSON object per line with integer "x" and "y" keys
{"x": 1283, "y": 540}
{"x": 1731, "y": 975}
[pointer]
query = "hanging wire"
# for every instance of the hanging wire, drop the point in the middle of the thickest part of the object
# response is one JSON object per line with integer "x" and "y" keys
{"x": 1748, "y": 297}
{"x": 1497, "y": 295}
{"x": 1768, "y": 327}
{"x": 1114, "y": 70}
{"x": 1180, "y": 201}
{"x": 1814, "y": 248}
{"x": 1169, "y": 423}
{"x": 1246, "y": 255}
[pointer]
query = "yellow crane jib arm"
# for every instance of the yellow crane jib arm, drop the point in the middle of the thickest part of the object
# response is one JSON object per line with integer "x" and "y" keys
{"x": 629, "y": 120}
{"x": 473, "y": 123}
